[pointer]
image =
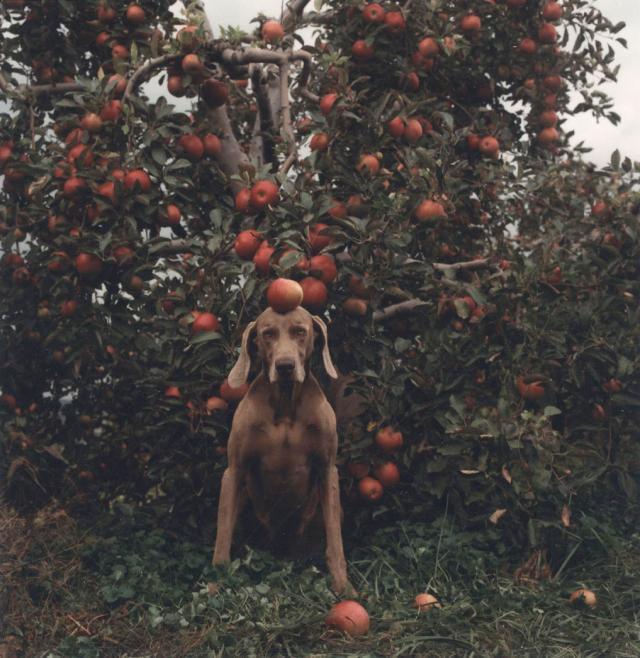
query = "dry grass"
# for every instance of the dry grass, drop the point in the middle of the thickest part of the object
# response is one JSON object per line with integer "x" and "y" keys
{"x": 52, "y": 596}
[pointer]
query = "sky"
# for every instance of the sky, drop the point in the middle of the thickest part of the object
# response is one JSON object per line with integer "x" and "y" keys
{"x": 602, "y": 137}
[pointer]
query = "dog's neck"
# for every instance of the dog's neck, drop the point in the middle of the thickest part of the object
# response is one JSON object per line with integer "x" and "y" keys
{"x": 284, "y": 398}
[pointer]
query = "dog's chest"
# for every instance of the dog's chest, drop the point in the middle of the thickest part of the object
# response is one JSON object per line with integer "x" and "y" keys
{"x": 283, "y": 458}
{"x": 278, "y": 444}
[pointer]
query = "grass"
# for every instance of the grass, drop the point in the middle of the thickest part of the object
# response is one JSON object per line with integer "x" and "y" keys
{"x": 121, "y": 587}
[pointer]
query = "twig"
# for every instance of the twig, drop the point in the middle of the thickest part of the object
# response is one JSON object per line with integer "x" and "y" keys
{"x": 85, "y": 630}
{"x": 146, "y": 68}
{"x": 302, "y": 89}
{"x": 32, "y": 126}
{"x": 309, "y": 95}
{"x": 5, "y": 86}
{"x": 397, "y": 309}
{"x": 466, "y": 265}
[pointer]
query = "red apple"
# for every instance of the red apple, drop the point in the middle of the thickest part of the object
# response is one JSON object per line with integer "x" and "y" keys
{"x": 264, "y": 193}
{"x": 489, "y": 146}
{"x": 413, "y": 131}
{"x": 73, "y": 187}
{"x": 91, "y": 122}
{"x": 191, "y": 64}
{"x": 272, "y": 31}
{"x": 214, "y": 92}
{"x": 284, "y": 295}
{"x": 528, "y": 46}
{"x": 547, "y": 33}
{"x": 212, "y": 145}
{"x": 88, "y": 263}
{"x": 428, "y": 210}
{"x": 315, "y": 293}
{"x": 396, "y": 127}
{"x": 349, "y": 617}
{"x": 470, "y": 24}
{"x": 135, "y": 14}
{"x": 319, "y": 142}
{"x": 368, "y": 163}
{"x": 324, "y": 267}
{"x": 360, "y": 49}
{"x": 394, "y": 21}
{"x": 262, "y": 258}
{"x": 171, "y": 215}
{"x": 552, "y": 11}
{"x": 247, "y": 244}
{"x": 112, "y": 111}
{"x": 317, "y": 239}
{"x": 327, "y": 102}
{"x": 192, "y": 147}
{"x": 428, "y": 47}
{"x": 242, "y": 200}
{"x": 137, "y": 180}
{"x": 373, "y": 13}
{"x": 205, "y": 322}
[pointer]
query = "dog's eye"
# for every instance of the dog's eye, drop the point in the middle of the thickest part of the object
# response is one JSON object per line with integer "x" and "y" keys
{"x": 268, "y": 333}
{"x": 299, "y": 331}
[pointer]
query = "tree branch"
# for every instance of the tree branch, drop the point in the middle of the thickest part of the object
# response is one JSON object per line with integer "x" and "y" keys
{"x": 401, "y": 308}
{"x": 286, "y": 129}
{"x": 467, "y": 265}
{"x": 6, "y": 86}
{"x": 55, "y": 88}
{"x": 252, "y": 56}
{"x": 164, "y": 248}
{"x": 302, "y": 89}
{"x": 262, "y": 146}
{"x": 21, "y": 92}
{"x": 146, "y": 68}
{"x": 232, "y": 155}
{"x": 206, "y": 23}
{"x": 295, "y": 9}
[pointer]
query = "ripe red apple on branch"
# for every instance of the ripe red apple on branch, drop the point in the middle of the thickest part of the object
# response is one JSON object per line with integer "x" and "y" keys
{"x": 284, "y": 295}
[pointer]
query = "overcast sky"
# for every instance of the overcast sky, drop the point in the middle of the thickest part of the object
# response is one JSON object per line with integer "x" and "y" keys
{"x": 602, "y": 137}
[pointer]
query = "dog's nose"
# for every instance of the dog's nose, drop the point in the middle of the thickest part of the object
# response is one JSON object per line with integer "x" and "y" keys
{"x": 285, "y": 366}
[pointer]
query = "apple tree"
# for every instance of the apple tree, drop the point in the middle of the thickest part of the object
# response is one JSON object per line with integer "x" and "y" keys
{"x": 407, "y": 163}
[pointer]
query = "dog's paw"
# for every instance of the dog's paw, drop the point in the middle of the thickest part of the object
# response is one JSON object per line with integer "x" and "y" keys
{"x": 344, "y": 588}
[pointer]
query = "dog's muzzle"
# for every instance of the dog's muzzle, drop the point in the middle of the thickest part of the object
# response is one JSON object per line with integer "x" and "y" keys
{"x": 285, "y": 369}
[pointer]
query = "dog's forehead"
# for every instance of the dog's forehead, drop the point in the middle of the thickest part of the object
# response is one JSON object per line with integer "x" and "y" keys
{"x": 270, "y": 317}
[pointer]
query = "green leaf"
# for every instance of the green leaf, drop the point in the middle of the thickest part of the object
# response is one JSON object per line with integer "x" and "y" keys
{"x": 205, "y": 337}
{"x": 615, "y": 160}
{"x": 180, "y": 163}
{"x": 159, "y": 154}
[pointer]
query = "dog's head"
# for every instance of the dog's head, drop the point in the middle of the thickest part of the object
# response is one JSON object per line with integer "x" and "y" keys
{"x": 284, "y": 343}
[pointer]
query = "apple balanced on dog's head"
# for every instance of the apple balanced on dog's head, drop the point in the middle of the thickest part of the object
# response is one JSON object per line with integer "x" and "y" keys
{"x": 284, "y": 295}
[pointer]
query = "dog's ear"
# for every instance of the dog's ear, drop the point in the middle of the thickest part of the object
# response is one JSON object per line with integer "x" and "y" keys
{"x": 240, "y": 371}
{"x": 326, "y": 356}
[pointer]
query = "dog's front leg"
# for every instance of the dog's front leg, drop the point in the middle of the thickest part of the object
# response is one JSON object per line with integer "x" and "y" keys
{"x": 331, "y": 511}
{"x": 228, "y": 509}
